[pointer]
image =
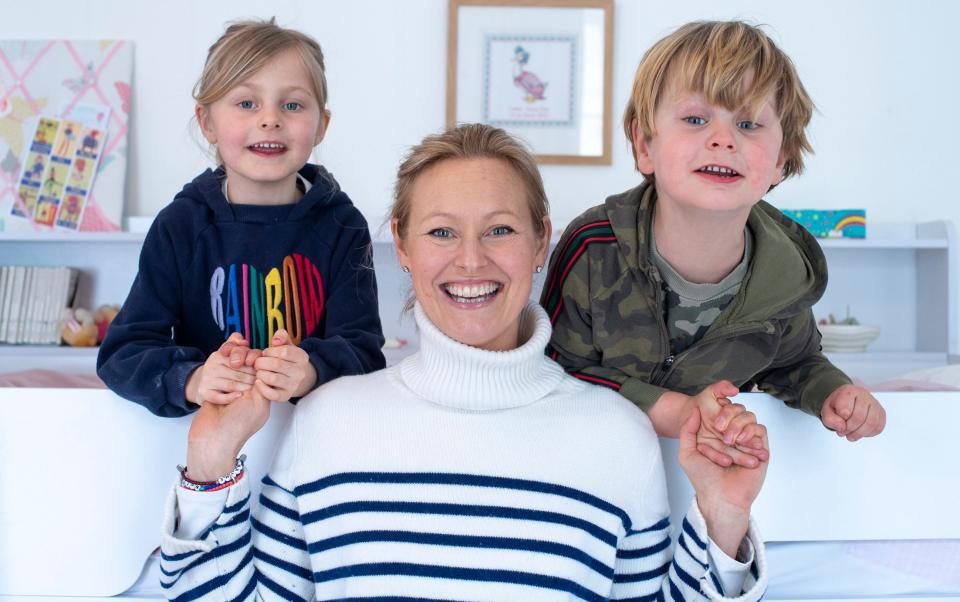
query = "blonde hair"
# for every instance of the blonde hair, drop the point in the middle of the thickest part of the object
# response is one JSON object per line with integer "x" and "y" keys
{"x": 470, "y": 141}
{"x": 244, "y": 48}
{"x": 734, "y": 65}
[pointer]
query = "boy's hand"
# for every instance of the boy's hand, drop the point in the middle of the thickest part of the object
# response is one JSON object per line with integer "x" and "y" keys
{"x": 219, "y": 381}
{"x": 853, "y": 413}
{"x": 284, "y": 370}
{"x": 728, "y": 433}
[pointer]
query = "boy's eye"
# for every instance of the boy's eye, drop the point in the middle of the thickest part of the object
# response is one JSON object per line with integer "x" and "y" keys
{"x": 440, "y": 233}
{"x": 501, "y": 230}
{"x": 694, "y": 120}
{"x": 245, "y": 104}
{"x": 747, "y": 125}
{"x": 291, "y": 106}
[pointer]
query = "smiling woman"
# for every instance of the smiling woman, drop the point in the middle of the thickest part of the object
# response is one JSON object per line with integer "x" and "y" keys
{"x": 474, "y": 469}
{"x": 471, "y": 242}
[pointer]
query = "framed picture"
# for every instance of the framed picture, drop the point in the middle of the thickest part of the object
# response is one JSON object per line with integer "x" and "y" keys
{"x": 539, "y": 69}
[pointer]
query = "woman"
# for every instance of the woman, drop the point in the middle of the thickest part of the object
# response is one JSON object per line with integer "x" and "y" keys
{"x": 492, "y": 474}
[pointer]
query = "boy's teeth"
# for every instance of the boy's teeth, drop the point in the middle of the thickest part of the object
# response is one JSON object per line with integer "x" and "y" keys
{"x": 268, "y": 146}
{"x": 723, "y": 171}
{"x": 471, "y": 291}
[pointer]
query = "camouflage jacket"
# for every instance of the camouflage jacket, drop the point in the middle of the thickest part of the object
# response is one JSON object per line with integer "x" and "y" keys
{"x": 605, "y": 300}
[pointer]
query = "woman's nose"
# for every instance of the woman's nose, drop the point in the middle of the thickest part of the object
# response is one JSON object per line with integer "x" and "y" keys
{"x": 470, "y": 255}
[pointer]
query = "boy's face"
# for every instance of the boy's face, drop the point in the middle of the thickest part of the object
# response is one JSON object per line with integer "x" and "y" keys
{"x": 708, "y": 158}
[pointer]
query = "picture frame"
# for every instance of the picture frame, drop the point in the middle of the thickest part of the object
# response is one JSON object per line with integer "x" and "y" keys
{"x": 539, "y": 69}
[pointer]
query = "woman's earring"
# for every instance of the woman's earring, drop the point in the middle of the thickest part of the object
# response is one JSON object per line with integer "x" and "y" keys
{"x": 539, "y": 268}
{"x": 404, "y": 269}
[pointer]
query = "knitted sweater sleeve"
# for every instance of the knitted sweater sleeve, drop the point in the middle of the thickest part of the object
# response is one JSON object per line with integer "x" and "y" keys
{"x": 649, "y": 567}
{"x": 139, "y": 359}
{"x": 238, "y": 557}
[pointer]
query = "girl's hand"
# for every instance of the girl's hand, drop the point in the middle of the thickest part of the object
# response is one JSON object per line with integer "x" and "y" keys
{"x": 219, "y": 380}
{"x": 219, "y": 431}
{"x": 725, "y": 494}
{"x": 284, "y": 370}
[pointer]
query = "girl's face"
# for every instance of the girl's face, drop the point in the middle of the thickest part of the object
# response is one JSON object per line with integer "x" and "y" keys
{"x": 472, "y": 249}
{"x": 265, "y": 129}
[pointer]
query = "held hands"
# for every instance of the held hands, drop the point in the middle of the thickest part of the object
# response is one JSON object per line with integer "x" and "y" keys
{"x": 284, "y": 370}
{"x": 725, "y": 493}
{"x": 853, "y": 413}
{"x": 225, "y": 376}
{"x": 727, "y": 433}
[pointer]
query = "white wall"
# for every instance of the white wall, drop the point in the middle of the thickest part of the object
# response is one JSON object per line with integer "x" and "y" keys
{"x": 883, "y": 75}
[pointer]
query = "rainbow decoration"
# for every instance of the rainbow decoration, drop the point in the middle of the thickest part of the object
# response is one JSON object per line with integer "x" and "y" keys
{"x": 831, "y": 223}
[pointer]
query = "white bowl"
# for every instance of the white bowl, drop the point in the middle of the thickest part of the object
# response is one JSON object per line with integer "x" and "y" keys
{"x": 846, "y": 337}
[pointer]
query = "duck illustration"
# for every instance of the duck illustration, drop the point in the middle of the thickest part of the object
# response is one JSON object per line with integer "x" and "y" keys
{"x": 525, "y": 80}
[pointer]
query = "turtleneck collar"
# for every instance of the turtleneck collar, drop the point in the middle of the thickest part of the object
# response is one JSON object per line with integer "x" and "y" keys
{"x": 449, "y": 373}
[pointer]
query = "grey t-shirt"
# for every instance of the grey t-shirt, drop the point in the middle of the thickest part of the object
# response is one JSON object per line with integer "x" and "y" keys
{"x": 690, "y": 308}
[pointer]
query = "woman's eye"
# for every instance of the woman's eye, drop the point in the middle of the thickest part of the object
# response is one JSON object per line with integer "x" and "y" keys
{"x": 440, "y": 233}
{"x": 694, "y": 120}
{"x": 501, "y": 230}
{"x": 747, "y": 125}
{"x": 291, "y": 106}
{"x": 245, "y": 104}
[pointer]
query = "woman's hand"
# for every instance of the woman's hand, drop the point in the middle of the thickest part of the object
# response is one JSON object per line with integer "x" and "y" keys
{"x": 724, "y": 493}
{"x": 222, "y": 379}
{"x": 284, "y": 370}
{"x": 219, "y": 431}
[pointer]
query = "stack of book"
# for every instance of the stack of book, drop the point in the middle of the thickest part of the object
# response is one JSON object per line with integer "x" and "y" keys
{"x": 32, "y": 300}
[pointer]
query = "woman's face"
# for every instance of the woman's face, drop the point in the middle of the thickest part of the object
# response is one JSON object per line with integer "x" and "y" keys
{"x": 472, "y": 248}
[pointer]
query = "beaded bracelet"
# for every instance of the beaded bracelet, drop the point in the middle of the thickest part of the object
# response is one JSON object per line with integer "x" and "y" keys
{"x": 222, "y": 483}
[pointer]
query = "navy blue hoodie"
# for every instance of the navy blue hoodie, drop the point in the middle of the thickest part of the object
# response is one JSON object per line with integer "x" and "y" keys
{"x": 209, "y": 268}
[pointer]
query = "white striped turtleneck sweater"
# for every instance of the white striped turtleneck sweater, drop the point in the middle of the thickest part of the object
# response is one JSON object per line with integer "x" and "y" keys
{"x": 459, "y": 474}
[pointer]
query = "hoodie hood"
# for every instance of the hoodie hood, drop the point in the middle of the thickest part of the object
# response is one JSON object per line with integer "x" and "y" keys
{"x": 787, "y": 273}
{"x": 208, "y": 188}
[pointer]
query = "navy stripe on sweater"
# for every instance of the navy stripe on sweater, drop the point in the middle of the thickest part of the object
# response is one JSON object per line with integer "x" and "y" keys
{"x": 471, "y": 480}
{"x": 464, "y": 541}
{"x": 461, "y": 510}
{"x": 218, "y": 581}
{"x": 448, "y": 572}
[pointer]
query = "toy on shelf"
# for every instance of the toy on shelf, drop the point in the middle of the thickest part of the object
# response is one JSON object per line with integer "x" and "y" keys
{"x": 102, "y": 318}
{"x": 79, "y": 329}
{"x": 831, "y": 223}
{"x": 846, "y": 335}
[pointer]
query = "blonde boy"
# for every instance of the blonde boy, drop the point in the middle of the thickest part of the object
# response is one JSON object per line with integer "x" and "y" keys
{"x": 690, "y": 277}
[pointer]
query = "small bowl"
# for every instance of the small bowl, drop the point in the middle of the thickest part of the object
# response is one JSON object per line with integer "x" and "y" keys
{"x": 847, "y": 338}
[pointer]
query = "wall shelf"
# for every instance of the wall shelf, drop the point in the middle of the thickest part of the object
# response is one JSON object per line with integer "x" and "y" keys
{"x": 904, "y": 278}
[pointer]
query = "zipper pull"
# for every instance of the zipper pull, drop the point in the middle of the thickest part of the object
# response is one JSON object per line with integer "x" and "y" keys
{"x": 669, "y": 360}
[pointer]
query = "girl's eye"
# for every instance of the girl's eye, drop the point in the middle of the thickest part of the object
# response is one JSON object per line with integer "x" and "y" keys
{"x": 694, "y": 120}
{"x": 501, "y": 230}
{"x": 747, "y": 125}
{"x": 245, "y": 104}
{"x": 440, "y": 233}
{"x": 291, "y": 106}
